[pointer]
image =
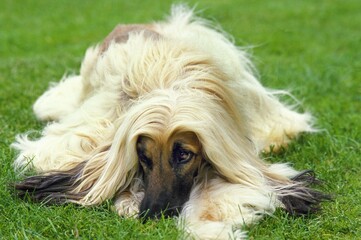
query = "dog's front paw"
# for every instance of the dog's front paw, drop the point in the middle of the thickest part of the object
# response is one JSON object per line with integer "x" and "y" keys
{"x": 59, "y": 100}
{"x": 127, "y": 204}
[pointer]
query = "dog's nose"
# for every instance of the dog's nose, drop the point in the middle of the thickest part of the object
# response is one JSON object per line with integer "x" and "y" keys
{"x": 150, "y": 210}
{"x": 149, "y": 213}
{"x": 144, "y": 216}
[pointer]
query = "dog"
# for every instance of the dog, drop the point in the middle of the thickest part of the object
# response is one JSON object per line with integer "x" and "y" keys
{"x": 168, "y": 119}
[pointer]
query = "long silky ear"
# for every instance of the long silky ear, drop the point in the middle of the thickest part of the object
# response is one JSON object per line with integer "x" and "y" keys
{"x": 120, "y": 34}
{"x": 53, "y": 187}
{"x": 299, "y": 198}
{"x": 110, "y": 169}
{"x": 57, "y": 187}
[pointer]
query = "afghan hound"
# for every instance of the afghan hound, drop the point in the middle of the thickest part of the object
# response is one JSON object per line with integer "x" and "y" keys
{"x": 168, "y": 119}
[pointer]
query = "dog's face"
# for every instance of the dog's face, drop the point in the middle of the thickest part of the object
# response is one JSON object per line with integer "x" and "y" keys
{"x": 169, "y": 168}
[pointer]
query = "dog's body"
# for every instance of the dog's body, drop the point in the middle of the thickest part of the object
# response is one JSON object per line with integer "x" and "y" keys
{"x": 167, "y": 116}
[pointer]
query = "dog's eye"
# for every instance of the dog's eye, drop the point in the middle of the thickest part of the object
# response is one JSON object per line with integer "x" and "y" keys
{"x": 183, "y": 156}
{"x": 145, "y": 160}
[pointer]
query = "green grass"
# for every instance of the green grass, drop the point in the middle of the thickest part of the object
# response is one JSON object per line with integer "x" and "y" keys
{"x": 310, "y": 47}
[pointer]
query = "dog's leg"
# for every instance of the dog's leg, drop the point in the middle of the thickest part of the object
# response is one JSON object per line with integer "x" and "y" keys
{"x": 281, "y": 126}
{"x": 51, "y": 152}
{"x": 60, "y": 99}
{"x": 127, "y": 203}
{"x": 219, "y": 209}
{"x": 60, "y": 148}
{"x": 272, "y": 124}
{"x": 71, "y": 139}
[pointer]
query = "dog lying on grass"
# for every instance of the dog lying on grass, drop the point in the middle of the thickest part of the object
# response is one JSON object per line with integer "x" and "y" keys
{"x": 168, "y": 118}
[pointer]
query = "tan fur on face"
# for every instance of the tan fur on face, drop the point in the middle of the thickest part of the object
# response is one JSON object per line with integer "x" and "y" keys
{"x": 167, "y": 181}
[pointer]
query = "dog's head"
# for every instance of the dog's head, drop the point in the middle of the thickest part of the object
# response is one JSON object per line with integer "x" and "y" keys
{"x": 169, "y": 169}
{"x": 175, "y": 135}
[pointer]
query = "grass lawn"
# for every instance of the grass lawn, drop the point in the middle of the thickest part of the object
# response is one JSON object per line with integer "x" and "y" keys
{"x": 310, "y": 47}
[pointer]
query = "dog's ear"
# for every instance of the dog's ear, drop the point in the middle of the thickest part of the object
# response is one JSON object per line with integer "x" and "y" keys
{"x": 73, "y": 184}
{"x": 299, "y": 198}
{"x": 58, "y": 187}
{"x": 53, "y": 187}
{"x": 120, "y": 34}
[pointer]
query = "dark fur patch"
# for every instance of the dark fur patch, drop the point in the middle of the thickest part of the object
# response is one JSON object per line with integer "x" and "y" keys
{"x": 304, "y": 200}
{"x": 120, "y": 34}
{"x": 51, "y": 188}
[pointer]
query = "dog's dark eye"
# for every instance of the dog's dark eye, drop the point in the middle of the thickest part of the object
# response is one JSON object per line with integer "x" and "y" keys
{"x": 183, "y": 156}
{"x": 145, "y": 160}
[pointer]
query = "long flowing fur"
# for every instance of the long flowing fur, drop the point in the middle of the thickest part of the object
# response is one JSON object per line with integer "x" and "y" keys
{"x": 174, "y": 76}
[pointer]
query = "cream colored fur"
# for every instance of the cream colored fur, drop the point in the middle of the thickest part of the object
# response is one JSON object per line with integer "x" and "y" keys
{"x": 191, "y": 78}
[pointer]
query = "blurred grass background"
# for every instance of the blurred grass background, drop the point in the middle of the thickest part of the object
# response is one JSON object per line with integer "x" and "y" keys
{"x": 310, "y": 47}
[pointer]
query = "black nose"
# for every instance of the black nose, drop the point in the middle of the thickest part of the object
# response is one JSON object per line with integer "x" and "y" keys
{"x": 152, "y": 210}
{"x": 147, "y": 215}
